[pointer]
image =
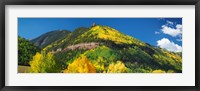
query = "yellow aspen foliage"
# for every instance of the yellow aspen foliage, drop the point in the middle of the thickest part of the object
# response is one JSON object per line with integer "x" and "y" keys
{"x": 170, "y": 71}
{"x": 80, "y": 65}
{"x": 44, "y": 63}
{"x": 173, "y": 56}
{"x": 118, "y": 67}
{"x": 158, "y": 71}
{"x": 36, "y": 63}
{"x": 99, "y": 65}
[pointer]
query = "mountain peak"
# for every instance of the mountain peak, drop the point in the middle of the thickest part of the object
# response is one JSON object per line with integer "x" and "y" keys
{"x": 108, "y": 33}
{"x": 93, "y": 24}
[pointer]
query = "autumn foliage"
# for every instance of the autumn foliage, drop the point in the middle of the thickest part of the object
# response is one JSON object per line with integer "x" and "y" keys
{"x": 158, "y": 71}
{"x": 44, "y": 63}
{"x": 80, "y": 65}
{"x": 97, "y": 49}
{"x": 118, "y": 67}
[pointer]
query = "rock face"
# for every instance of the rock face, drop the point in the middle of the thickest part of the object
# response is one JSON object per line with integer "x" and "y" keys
{"x": 93, "y": 24}
{"x": 58, "y": 50}
{"x": 86, "y": 46}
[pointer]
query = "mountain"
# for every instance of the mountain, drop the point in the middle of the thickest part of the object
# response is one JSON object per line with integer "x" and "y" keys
{"x": 103, "y": 49}
{"x": 49, "y": 37}
{"x": 67, "y": 40}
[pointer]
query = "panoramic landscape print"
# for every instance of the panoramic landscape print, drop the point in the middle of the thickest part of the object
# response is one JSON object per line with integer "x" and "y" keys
{"x": 99, "y": 45}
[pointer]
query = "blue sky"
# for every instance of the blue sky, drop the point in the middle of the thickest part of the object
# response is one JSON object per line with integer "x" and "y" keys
{"x": 163, "y": 32}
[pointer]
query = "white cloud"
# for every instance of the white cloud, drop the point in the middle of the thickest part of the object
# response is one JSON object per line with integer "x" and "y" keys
{"x": 156, "y": 32}
{"x": 174, "y": 32}
{"x": 170, "y": 23}
{"x": 179, "y": 26}
{"x": 169, "y": 45}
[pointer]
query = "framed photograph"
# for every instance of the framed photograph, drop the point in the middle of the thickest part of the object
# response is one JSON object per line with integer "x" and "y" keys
{"x": 100, "y": 45}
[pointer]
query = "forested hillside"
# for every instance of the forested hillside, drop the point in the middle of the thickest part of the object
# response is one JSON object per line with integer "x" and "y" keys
{"x": 100, "y": 49}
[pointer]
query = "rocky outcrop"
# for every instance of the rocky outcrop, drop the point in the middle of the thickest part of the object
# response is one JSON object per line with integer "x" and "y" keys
{"x": 85, "y": 46}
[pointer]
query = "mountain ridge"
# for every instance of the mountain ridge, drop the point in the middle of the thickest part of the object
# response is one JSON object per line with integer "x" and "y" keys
{"x": 113, "y": 46}
{"x": 49, "y": 37}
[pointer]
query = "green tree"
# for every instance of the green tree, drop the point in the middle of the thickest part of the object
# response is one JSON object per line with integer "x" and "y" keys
{"x": 26, "y": 50}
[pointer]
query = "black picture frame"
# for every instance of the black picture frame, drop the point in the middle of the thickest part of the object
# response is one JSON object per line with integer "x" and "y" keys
{"x": 99, "y": 2}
